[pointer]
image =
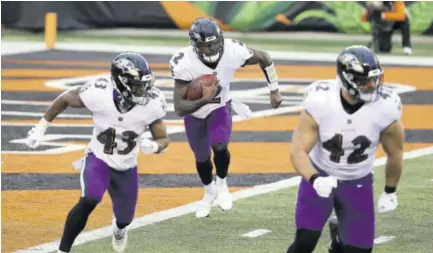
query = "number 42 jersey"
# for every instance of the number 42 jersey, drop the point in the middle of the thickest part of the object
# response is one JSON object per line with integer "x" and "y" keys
{"x": 348, "y": 143}
{"x": 115, "y": 138}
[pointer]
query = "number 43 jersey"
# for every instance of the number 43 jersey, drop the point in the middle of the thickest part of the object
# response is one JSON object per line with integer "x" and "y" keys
{"x": 348, "y": 143}
{"x": 116, "y": 135}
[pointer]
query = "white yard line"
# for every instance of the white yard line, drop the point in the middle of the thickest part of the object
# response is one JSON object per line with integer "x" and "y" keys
{"x": 156, "y": 217}
{"x": 256, "y": 233}
{"x": 13, "y": 47}
{"x": 383, "y": 239}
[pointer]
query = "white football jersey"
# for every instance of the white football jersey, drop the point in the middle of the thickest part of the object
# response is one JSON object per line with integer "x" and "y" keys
{"x": 185, "y": 65}
{"x": 348, "y": 143}
{"x": 116, "y": 135}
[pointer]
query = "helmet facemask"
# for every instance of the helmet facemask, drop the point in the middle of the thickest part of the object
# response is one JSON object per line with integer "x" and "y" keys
{"x": 365, "y": 88}
{"x": 134, "y": 89}
{"x": 210, "y": 50}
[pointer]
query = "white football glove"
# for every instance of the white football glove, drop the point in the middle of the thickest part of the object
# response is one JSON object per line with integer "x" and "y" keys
{"x": 387, "y": 202}
{"x": 325, "y": 185}
{"x": 148, "y": 146}
{"x": 34, "y": 136}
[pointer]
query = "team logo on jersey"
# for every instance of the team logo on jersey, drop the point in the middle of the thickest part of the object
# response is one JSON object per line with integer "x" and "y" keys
{"x": 127, "y": 67}
{"x": 351, "y": 62}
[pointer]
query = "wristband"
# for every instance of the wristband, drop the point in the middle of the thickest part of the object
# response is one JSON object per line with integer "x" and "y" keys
{"x": 271, "y": 77}
{"x": 313, "y": 178}
{"x": 273, "y": 86}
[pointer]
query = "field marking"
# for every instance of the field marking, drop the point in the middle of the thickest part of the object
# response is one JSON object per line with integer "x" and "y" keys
{"x": 25, "y": 102}
{"x": 256, "y": 233}
{"x": 65, "y": 116}
{"x": 40, "y": 114}
{"x": 383, "y": 239}
{"x": 11, "y": 47}
{"x": 156, "y": 217}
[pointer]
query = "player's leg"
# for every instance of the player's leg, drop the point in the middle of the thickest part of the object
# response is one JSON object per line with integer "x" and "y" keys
{"x": 354, "y": 207}
{"x": 312, "y": 212}
{"x": 335, "y": 245}
{"x": 219, "y": 125}
{"x": 123, "y": 191}
{"x": 94, "y": 180}
{"x": 198, "y": 139}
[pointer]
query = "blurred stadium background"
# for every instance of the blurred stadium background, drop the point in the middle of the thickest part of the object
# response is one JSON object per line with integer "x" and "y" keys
{"x": 50, "y": 46}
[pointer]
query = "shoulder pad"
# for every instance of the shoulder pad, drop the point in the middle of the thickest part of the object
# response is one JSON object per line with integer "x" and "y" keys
{"x": 390, "y": 104}
{"x": 316, "y": 98}
{"x": 158, "y": 104}
{"x": 178, "y": 66}
{"x": 239, "y": 51}
{"x": 91, "y": 92}
{"x": 159, "y": 96}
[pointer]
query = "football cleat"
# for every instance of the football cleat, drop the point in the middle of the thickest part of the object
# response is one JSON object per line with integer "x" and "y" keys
{"x": 120, "y": 238}
{"x": 224, "y": 197}
{"x": 205, "y": 205}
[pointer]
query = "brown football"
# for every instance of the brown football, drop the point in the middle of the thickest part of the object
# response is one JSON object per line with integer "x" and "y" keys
{"x": 194, "y": 90}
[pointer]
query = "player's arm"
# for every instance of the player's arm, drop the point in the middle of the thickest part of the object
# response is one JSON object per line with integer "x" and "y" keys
{"x": 159, "y": 134}
{"x": 69, "y": 98}
{"x": 303, "y": 140}
{"x": 392, "y": 139}
{"x": 182, "y": 106}
{"x": 266, "y": 64}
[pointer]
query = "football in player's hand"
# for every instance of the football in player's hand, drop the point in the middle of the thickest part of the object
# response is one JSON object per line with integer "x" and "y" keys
{"x": 194, "y": 90}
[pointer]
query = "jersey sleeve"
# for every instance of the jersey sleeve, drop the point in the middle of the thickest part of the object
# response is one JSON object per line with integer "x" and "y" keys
{"x": 241, "y": 52}
{"x": 391, "y": 109}
{"x": 159, "y": 106}
{"x": 315, "y": 100}
{"x": 90, "y": 93}
{"x": 178, "y": 67}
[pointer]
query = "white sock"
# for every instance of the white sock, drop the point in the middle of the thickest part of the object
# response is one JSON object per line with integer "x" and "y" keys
{"x": 210, "y": 188}
{"x": 221, "y": 181}
{"x": 118, "y": 231}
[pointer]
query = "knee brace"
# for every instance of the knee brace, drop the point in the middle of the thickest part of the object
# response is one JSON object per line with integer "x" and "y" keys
{"x": 305, "y": 241}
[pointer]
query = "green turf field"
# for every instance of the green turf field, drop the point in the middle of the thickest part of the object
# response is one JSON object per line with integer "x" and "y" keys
{"x": 419, "y": 49}
{"x": 411, "y": 224}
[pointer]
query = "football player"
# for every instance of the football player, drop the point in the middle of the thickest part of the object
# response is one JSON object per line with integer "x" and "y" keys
{"x": 208, "y": 121}
{"x": 122, "y": 108}
{"x": 334, "y": 147}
